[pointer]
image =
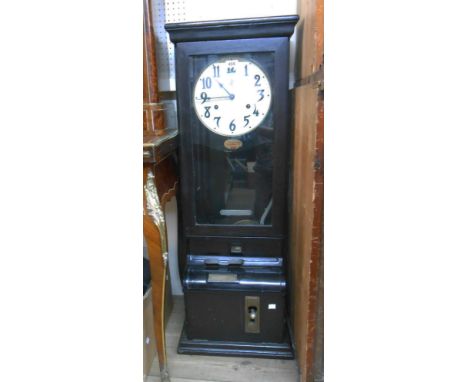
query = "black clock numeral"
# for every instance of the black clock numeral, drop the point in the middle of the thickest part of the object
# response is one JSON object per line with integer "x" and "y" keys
{"x": 246, "y": 70}
{"x": 257, "y": 80}
{"x": 206, "y": 82}
{"x": 255, "y": 112}
{"x": 231, "y": 70}
{"x": 207, "y": 111}
{"x": 232, "y": 126}
{"x": 216, "y": 70}
{"x": 246, "y": 119}
{"x": 217, "y": 120}
{"x": 204, "y": 97}
{"x": 261, "y": 91}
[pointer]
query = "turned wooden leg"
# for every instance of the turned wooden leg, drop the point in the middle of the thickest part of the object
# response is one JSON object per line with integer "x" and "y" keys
{"x": 154, "y": 229}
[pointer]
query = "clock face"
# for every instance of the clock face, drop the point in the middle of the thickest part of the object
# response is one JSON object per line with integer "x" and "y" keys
{"x": 232, "y": 97}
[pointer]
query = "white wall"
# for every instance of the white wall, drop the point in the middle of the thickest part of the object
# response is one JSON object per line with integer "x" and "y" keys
{"x": 171, "y": 223}
{"x": 170, "y": 214}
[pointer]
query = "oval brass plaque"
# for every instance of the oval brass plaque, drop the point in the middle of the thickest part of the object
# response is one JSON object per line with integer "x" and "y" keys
{"x": 232, "y": 144}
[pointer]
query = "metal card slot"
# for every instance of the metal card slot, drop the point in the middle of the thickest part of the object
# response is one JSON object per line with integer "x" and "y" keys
{"x": 222, "y": 278}
{"x": 224, "y": 262}
{"x": 236, "y": 212}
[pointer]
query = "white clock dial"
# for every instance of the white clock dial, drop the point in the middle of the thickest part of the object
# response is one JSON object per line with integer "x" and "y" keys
{"x": 232, "y": 97}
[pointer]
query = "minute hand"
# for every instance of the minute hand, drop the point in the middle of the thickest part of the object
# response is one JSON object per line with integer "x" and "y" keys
{"x": 218, "y": 98}
{"x": 231, "y": 96}
{"x": 208, "y": 99}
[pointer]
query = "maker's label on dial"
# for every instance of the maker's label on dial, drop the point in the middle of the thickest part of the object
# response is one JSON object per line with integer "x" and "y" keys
{"x": 232, "y": 144}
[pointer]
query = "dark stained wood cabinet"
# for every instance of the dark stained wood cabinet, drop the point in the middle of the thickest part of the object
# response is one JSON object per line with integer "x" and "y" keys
{"x": 233, "y": 111}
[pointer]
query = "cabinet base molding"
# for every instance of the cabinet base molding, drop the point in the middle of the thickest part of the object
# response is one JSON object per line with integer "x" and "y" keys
{"x": 283, "y": 350}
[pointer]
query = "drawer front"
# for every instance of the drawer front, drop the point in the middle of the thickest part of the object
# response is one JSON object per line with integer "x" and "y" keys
{"x": 235, "y": 316}
{"x": 228, "y": 246}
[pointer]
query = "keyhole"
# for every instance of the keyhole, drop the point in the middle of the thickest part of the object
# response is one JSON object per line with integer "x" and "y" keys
{"x": 252, "y": 313}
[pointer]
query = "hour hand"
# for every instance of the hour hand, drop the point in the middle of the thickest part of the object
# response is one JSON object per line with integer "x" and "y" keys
{"x": 231, "y": 96}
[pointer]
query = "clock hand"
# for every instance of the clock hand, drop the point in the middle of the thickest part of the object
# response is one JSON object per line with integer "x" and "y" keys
{"x": 218, "y": 99}
{"x": 212, "y": 98}
{"x": 231, "y": 96}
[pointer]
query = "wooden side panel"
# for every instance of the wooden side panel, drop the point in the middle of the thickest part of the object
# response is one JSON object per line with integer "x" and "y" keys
{"x": 315, "y": 311}
{"x": 306, "y": 245}
{"x": 309, "y": 38}
{"x": 302, "y": 215}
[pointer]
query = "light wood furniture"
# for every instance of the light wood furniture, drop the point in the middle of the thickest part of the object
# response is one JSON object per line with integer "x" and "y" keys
{"x": 307, "y": 195}
{"x": 159, "y": 186}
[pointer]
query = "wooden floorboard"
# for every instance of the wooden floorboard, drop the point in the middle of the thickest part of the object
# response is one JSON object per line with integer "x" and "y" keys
{"x": 152, "y": 378}
{"x": 195, "y": 368}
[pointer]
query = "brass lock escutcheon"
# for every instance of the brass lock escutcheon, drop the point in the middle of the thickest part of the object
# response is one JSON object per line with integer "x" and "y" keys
{"x": 252, "y": 314}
